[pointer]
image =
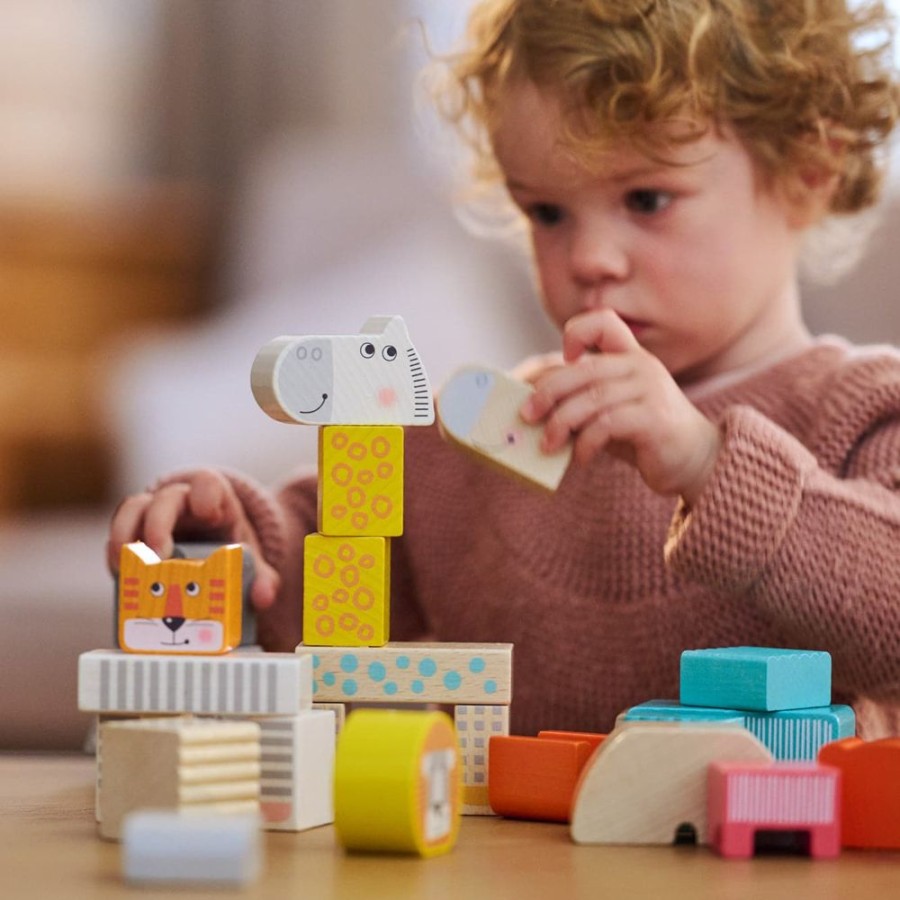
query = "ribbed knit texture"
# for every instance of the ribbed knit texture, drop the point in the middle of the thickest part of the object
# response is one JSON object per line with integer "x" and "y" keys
{"x": 601, "y": 586}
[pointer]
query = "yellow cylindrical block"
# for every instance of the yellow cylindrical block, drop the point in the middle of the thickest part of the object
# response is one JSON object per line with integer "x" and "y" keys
{"x": 397, "y": 782}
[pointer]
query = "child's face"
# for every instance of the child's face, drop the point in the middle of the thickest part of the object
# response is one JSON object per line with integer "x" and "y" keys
{"x": 698, "y": 259}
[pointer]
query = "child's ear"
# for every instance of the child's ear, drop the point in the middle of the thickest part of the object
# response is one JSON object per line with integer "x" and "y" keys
{"x": 808, "y": 194}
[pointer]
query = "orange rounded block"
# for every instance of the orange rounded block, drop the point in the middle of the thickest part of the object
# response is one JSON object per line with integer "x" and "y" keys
{"x": 535, "y": 777}
{"x": 871, "y": 790}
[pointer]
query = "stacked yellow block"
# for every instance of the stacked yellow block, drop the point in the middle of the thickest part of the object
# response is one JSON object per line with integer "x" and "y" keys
{"x": 346, "y": 568}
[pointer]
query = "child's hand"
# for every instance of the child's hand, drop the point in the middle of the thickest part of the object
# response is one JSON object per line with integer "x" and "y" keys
{"x": 623, "y": 399}
{"x": 205, "y": 507}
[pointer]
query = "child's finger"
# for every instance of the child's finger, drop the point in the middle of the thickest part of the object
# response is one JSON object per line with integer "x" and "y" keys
{"x": 599, "y": 329}
{"x": 169, "y": 505}
{"x": 126, "y": 526}
{"x": 555, "y": 386}
{"x": 212, "y": 500}
{"x": 266, "y": 584}
{"x": 583, "y": 407}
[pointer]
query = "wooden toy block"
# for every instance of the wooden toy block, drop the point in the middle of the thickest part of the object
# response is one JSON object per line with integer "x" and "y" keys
{"x": 746, "y": 800}
{"x": 590, "y": 737}
{"x": 165, "y": 848}
{"x": 673, "y": 711}
{"x": 371, "y": 378}
{"x": 647, "y": 782}
{"x": 346, "y": 591}
{"x": 755, "y": 678}
{"x": 475, "y": 726}
{"x": 791, "y": 734}
{"x": 340, "y": 715}
{"x": 183, "y": 606}
{"x": 190, "y": 765}
{"x": 870, "y": 816}
{"x": 297, "y": 770}
{"x": 242, "y": 683}
{"x": 535, "y": 777}
{"x": 194, "y": 550}
{"x": 478, "y": 409}
{"x": 361, "y": 480}
{"x": 396, "y": 782}
{"x": 413, "y": 672}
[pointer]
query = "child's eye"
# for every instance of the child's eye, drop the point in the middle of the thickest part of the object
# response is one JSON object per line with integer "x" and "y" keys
{"x": 646, "y": 201}
{"x": 545, "y": 213}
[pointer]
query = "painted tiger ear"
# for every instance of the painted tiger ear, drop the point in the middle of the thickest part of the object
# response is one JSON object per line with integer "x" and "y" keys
{"x": 226, "y": 553}
{"x": 138, "y": 551}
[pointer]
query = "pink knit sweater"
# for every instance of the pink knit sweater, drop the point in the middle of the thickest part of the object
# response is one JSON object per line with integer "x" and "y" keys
{"x": 600, "y": 586}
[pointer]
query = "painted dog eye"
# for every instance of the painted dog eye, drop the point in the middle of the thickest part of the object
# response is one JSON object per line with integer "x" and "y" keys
{"x": 367, "y": 350}
{"x": 389, "y": 353}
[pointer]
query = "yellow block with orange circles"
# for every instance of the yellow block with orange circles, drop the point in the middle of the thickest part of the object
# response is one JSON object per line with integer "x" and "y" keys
{"x": 361, "y": 480}
{"x": 346, "y": 591}
{"x": 397, "y": 782}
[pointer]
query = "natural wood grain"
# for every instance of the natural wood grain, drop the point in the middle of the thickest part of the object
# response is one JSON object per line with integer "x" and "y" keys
{"x": 49, "y": 848}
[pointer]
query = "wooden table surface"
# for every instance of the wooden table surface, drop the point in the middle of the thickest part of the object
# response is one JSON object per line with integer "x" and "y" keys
{"x": 49, "y": 848}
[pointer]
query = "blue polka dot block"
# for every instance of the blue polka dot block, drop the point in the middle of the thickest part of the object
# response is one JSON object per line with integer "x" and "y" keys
{"x": 756, "y": 678}
{"x": 411, "y": 672}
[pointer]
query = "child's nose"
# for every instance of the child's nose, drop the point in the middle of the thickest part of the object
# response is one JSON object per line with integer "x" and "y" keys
{"x": 597, "y": 254}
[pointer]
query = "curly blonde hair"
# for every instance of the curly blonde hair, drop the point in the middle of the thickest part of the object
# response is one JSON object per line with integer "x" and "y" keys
{"x": 803, "y": 83}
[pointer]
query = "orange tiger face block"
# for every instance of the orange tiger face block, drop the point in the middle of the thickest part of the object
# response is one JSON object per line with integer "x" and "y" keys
{"x": 180, "y": 605}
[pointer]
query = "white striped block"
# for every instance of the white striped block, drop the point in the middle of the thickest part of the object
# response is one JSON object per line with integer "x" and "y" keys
{"x": 297, "y": 756}
{"x": 242, "y": 683}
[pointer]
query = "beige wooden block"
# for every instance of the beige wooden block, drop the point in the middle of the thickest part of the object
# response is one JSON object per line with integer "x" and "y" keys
{"x": 413, "y": 672}
{"x": 185, "y": 764}
{"x": 478, "y": 409}
{"x": 648, "y": 779}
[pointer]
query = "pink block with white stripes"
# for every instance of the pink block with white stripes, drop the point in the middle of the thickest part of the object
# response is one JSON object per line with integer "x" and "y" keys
{"x": 747, "y": 798}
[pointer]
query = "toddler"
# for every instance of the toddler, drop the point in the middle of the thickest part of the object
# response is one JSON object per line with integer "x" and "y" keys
{"x": 735, "y": 480}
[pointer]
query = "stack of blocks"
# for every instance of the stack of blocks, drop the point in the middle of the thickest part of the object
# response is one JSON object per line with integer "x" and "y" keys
{"x": 180, "y": 679}
{"x": 360, "y": 390}
{"x": 710, "y": 764}
{"x": 781, "y": 696}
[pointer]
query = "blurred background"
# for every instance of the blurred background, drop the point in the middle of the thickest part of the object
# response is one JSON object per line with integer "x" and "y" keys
{"x": 180, "y": 181}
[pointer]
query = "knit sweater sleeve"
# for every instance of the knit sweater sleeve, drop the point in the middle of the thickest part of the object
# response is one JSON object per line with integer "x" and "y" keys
{"x": 809, "y": 532}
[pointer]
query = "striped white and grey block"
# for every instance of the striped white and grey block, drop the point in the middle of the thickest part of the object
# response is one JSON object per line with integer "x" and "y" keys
{"x": 475, "y": 726}
{"x": 297, "y": 757}
{"x": 237, "y": 684}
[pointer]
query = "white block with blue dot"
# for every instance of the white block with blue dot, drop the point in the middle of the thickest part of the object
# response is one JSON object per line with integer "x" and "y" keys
{"x": 792, "y": 734}
{"x": 756, "y": 678}
{"x": 413, "y": 672}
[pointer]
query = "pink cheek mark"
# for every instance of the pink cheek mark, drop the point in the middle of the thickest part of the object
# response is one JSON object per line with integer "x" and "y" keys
{"x": 387, "y": 397}
{"x": 205, "y": 636}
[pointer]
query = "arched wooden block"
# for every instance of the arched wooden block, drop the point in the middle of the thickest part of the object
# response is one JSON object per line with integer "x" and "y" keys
{"x": 478, "y": 409}
{"x": 649, "y": 778}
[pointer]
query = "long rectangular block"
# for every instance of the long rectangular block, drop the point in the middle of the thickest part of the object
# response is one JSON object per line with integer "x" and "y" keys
{"x": 192, "y": 765}
{"x": 412, "y": 672}
{"x": 791, "y": 734}
{"x": 297, "y": 770}
{"x": 755, "y": 678}
{"x": 248, "y": 684}
{"x": 361, "y": 480}
{"x": 346, "y": 591}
